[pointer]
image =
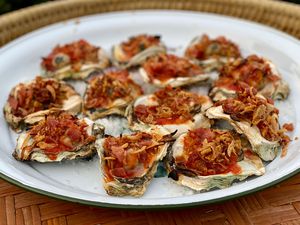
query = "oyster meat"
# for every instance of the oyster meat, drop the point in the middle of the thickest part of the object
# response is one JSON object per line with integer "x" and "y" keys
{"x": 256, "y": 118}
{"x": 136, "y": 50}
{"x": 253, "y": 71}
{"x": 203, "y": 159}
{"x": 76, "y": 60}
{"x": 110, "y": 94}
{"x": 172, "y": 108}
{"x": 129, "y": 162}
{"x": 59, "y": 136}
{"x": 212, "y": 54}
{"x": 28, "y": 102}
{"x": 167, "y": 69}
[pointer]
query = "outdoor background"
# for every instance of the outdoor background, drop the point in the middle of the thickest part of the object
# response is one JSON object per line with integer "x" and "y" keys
{"x": 10, "y": 5}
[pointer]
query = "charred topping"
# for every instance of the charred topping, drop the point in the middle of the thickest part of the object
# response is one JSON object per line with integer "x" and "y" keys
{"x": 74, "y": 54}
{"x": 209, "y": 152}
{"x": 207, "y": 48}
{"x": 103, "y": 90}
{"x": 257, "y": 111}
{"x": 252, "y": 71}
{"x": 174, "y": 106}
{"x": 130, "y": 155}
{"x": 166, "y": 66}
{"x": 39, "y": 95}
{"x": 58, "y": 132}
{"x": 138, "y": 44}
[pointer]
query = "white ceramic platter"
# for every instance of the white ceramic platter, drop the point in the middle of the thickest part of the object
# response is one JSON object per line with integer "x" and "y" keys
{"x": 81, "y": 181}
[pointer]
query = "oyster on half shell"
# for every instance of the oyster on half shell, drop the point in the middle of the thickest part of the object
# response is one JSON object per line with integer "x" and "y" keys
{"x": 256, "y": 118}
{"x": 129, "y": 162}
{"x": 59, "y": 136}
{"x": 74, "y": 61}
{"x": 28, "y": 102}
{"x": 172, "y": 108}
{"x": 166, "y": 69}
{"x": 110, "y": 93}
{"x": 253, "y": 71}
{"x": 203, "y": 159}
{"x": 212, "y": 54}
{"x": 136, "y": 50}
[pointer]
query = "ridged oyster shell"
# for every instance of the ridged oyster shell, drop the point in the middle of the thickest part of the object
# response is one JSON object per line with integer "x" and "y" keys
{"x": 134, "y": 186}
{"x": 72, "y": 104}
{"x": 249, "y": 165}
{"x": 80, "y": 151}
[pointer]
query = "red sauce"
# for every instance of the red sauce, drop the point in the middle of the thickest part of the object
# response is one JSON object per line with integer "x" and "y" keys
{"x": 166, "y": 66}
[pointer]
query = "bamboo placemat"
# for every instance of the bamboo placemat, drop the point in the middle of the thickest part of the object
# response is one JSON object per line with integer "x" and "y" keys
{"x": 276, "y": 205}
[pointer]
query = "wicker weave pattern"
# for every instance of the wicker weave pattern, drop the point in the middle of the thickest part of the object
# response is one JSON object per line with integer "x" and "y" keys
{"x": 277, "y": 205}
{"x": 283, "y": 16}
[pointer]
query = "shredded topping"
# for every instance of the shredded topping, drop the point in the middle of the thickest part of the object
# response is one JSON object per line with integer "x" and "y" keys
{"x": 129, "y": 156}
{"x": 105, "y": 89}
{"x": 138, "y": 44}
{"x": 58, "y": 132}
{"x": 39, "y": 95}
{"x": 173, "y": 106}
{"x": 247, "y": 106}
{"x": 288, "y": 127}
{"x": 166, "y": 66}
{"x": 74, "y": 54}
{"x": 252, "y": 71}
{"x": 209, "y": 152}
{"x": 207, "y": 48}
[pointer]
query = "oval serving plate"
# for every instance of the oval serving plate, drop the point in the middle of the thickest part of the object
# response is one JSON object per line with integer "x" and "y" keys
{"x": 80, "y": 181}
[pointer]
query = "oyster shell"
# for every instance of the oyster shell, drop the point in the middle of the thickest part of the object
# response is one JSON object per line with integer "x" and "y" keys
{"x": 164, "y": 100}
{"x": 205, "y": 173}
{"x": 212, "y": 54}
{"x": 263, "y": 115}
{"x": 110, "y": 94}
{"x": 60, "y": 95}
{"x": 140, "y": 48}
{"x": 76, "y": 61}
{"x": 166, "y": 69}
{"x": 257, "y": 72}
{"x": 123, "y": 171}
{"x": 32, "y": 145}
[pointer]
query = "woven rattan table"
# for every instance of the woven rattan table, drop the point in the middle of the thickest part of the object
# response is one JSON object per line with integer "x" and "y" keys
{"x": 276, "y": 205}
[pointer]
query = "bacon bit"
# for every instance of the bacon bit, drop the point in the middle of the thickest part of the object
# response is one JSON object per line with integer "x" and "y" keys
{"x": 213, "y": 48}
{"x": 296, "y": 138}
{"x": 79, "y": 52}
{"x": 138, "y": 44}
{"x": 288, "y": 126}
{"x": 252, "y": 71}
{"x": 166, "y": 66}
{"x": 130, "y": 153}
{"x": 105, "y": 89}
{"x": 209, "y": 152}
{"x": 59, "y": 138}
{"x": 174, "y": 106}
{"x": 39, "y": 95}
{"x": 256, "y": 111}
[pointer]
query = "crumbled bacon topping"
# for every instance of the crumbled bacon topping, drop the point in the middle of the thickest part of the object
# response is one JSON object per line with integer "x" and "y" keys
{"x": 130, "y": 155}
{"x": 166, "y": 66}
{"x": 105, "y": 89}
{"x": 77, "y": 53}
{"x": 252, "y": 71}
{"x": 174, "y": 106}
{"x": 209, "y": 152}
{"x": 58, "y": 132}
{"x": 247, "y": 106}
{"x": 288, "y": 126}
{"x": 208, "y": 48}
{"x": 38, "y": 95}
{"x": 138, "y": 44}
